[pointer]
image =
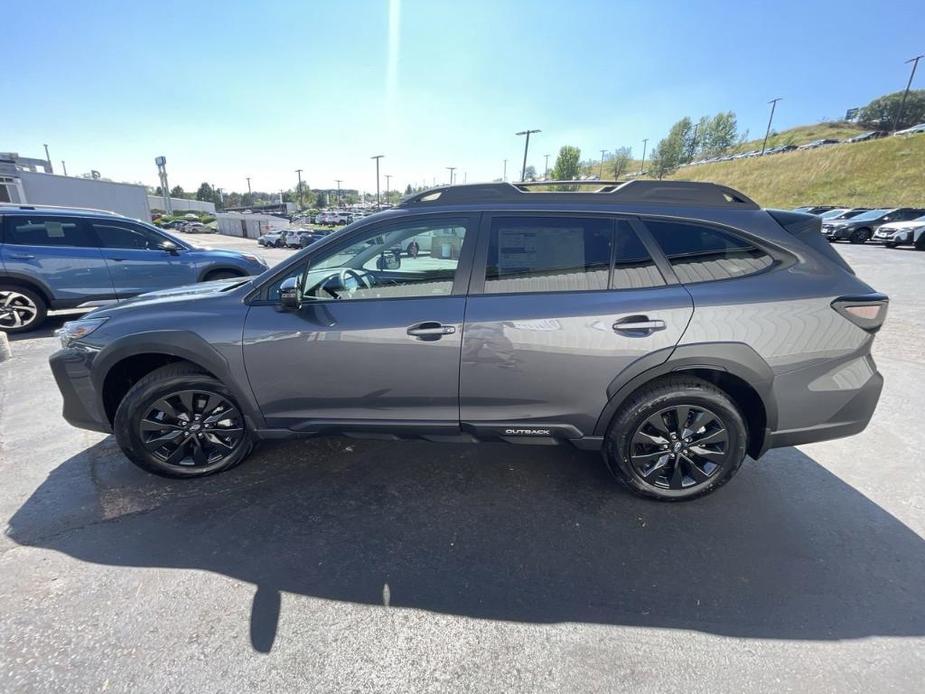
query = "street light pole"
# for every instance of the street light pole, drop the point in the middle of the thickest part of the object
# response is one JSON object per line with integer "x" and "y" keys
{"x": 377, "y": 157}
{"x": 48, "y": 159}
{"x": 601, "y": 174}
{"x": 388, "y": 178}
{"x": 528, "y": 133}
{"x": 64, "y": 166}
{"x": 642, "y": 167}
{"x": 248, "y": 185}
{"x": 902, "y": 104}
{"x": 504, "y": 175}
{"x": 338, "y": 181}
{"x": 299, "y": 172}
{"x": 546, "y": 170}
{"x": 451, "y": 169}
{"x": 767, "y": 132}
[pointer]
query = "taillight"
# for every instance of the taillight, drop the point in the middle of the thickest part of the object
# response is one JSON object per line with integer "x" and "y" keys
{"x": 867, "y": 312}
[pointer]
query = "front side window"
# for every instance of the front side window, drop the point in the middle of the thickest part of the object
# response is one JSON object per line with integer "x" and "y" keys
{"x": 119, "y": 235}
{"x": 417, "y": 259}
{"x": 702, "y": 254}
{"x": 47, "y": 231}
{"x": 548, "y": 254}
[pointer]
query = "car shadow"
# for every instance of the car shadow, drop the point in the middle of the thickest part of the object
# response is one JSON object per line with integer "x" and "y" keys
{"x": 528, "y": 534}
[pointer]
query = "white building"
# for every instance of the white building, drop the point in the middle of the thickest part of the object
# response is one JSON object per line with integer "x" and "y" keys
{"x": 156, "y": 202}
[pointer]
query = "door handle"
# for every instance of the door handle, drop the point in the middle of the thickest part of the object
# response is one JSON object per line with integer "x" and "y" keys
{"x": 638, "y": 325}
{"x": 431, "y": 330}
{"x": 22, "y": 256}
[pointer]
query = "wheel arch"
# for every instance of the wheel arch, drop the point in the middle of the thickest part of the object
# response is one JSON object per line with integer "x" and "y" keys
{"x": 734, "y": 367}
{"x": 37, "y": 286}
{"x": 220, "y": 267}
{"x": 125, "y": 361}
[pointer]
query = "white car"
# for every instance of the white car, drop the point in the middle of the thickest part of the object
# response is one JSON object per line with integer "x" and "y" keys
{"x": 914, "y": 130}
{"x": 911, "y": 233}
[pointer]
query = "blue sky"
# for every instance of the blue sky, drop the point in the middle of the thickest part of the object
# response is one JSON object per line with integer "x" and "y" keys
{"x": 240, "y": 88}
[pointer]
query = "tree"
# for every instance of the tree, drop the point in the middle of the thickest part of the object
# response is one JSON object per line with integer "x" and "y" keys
{"x": 530, "y": 173}
{"x": 719, "y": 134}
{"x": 880, "y": 113}
{"x": 177, "y": 192}
{"x": 621, "y": 161}
{"x": 205, "y": 193}
{"x": 408, "y": 189}
{"x": 672, "y": 151}
{"x": 567, "y": 164}
{"x": 321, "y": 199}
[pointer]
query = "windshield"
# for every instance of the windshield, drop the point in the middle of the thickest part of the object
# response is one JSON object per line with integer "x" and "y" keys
{"x": 831, "y": 214}
{"x": 870, "y": 216}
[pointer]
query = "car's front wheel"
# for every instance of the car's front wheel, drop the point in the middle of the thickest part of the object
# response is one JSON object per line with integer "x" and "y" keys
{"x": 677, "y": 439}
{"x": 181, "y": 422}
{"x": 21, "y": 309}
{"x": 859, "y": 236}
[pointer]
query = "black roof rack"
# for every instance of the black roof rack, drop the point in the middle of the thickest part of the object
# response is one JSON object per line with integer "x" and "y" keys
{"x": 690, "y": 193}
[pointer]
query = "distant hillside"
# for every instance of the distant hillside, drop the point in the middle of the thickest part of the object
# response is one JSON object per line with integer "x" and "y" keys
{"x": 886, "y": 172}
{"x": 803, "y": 134}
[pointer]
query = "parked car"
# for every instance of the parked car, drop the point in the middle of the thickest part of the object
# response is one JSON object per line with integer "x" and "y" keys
{"x": 914, "y": 130}
{"x": 862, "y": 227}
{"x": 307, "y": 238}
{"x": 780, "y": 149}
{"x": 294, "y": 237}
{"x": 841, "y": 213}
{"x": 654, "y": 323}
{"x": 814, "y": 209}
{"x": 57, "y": 258}
{"x": 910, "y": 233}
{"x": 819, "y": 143}
{"x": 869, "y": 135}
{"x": 197, "y": 228}
{"x": 275, "y": 238}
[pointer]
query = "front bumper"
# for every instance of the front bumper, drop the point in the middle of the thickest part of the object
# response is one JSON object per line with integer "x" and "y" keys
{"x": 837, "y": 234}
{"x": 83, "y": 406}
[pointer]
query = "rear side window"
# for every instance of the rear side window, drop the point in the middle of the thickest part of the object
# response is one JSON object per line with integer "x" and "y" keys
{"x": 120, "y": 235}
{"x": 633, "y": 267}
{"x": 47, "y": 231}
{"x": 703, "y": 254}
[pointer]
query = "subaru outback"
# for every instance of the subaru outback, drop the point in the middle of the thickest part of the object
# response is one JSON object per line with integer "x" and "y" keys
{"x": 58, "y": 258}
{"x": 675, "y": 327}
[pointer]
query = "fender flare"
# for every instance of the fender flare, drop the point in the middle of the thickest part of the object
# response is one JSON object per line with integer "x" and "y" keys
{"x": 181, "y": 344}
{"x": 32, "y": 282}
{"x": 734, "y": 358}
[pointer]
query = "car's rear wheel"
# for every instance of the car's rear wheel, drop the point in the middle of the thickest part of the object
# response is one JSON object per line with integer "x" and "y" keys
{"x": 279, "y": 243}
{"x": 859, "y": 236}
{"x": 180, "y": 422}
{"x": 21, "y": 309}
{"x": 677, "y": 439}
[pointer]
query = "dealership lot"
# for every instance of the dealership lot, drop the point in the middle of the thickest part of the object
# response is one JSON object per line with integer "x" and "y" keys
{"x": 364, "y": 565}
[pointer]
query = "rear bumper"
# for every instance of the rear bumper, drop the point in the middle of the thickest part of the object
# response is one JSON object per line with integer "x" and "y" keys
{"x": 82, "y": 405}
{"x": 851, "y": 419}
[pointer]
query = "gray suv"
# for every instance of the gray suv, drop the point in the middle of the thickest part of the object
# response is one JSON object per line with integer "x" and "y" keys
{"x": 673, "y": 326}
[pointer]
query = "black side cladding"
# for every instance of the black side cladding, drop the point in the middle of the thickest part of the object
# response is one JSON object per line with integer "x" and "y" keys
{"x": 808, "y": 228}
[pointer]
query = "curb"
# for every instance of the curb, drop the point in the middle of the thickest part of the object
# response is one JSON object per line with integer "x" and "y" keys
{"x": 5, "y": 352}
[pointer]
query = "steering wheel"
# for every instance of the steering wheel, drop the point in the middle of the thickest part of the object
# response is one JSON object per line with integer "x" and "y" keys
{"x": 342, "y": 279}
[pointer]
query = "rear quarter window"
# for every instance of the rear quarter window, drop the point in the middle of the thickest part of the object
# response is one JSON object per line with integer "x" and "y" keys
{"x": 699, "y": 253}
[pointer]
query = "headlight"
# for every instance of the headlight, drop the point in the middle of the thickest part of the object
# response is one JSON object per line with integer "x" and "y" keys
{"x": 254, "y": 259}
{"x": 78, "y": 329}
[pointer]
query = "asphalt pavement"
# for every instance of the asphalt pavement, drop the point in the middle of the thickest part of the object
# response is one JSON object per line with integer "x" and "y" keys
{"x": 344, "y": 565}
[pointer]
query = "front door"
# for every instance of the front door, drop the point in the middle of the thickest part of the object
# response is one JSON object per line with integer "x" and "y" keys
{"x": 376, "y": 341}
{"x": 560, "y": 305}
{"x": 138, "y": 261}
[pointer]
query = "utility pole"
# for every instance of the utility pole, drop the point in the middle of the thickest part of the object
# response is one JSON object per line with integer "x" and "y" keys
{"x": 339, "y": 181}
{"x": 299, "y": 172}
{"x": 902, "y": 104}
{"x": 528, "y": 133}
{"x": 642, "y": 168}
{"x": 48, "y": 159}
{"x": 64, "y": 166}
{"x": 601, "y": 174}
{"x": 504, "y": 176}
{"x": 767, "y": 132}
{"x": 248, "y": 185}
{"x": 388, "y": 178}
{"x": 451, "y": 169}
{"x": 546, "y": 170}
{"x": 377, "y": 157}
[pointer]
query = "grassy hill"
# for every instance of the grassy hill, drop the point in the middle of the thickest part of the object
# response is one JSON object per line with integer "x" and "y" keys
{"x": 803, "y": 134}
{"x": 886, "y": 172}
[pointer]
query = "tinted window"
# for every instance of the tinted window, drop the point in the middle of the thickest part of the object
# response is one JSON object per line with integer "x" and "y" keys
{"x": 118, "y": 235}
{"x": 548, "y": 254}
{"x": 633, "y": 267}
{"x": 701, "y": 254}
{"x": 47, "y": 231}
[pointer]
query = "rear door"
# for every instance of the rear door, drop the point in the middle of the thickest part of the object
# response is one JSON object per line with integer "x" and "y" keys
{"x": 60, "y": 253}
{"x": 137, "y": 259}
{"x": 559, "y": 305}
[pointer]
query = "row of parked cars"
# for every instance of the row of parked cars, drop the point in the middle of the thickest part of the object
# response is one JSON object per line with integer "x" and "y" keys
{"x": 891, "y": 226}
{"x": 292, "y": 238}
{"x": 190, "y": 227}
{"x": 815, "y": 144}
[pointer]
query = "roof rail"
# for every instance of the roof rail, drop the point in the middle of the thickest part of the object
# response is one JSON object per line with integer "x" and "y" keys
{"x": 690, "y": 193}
{"x": 63, "y": 208}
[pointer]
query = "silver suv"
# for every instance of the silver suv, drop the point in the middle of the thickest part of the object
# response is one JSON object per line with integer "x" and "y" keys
{"x": 673, "y": 326}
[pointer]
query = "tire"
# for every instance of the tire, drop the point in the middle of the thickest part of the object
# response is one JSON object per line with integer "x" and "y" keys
{"x": 920, "y": 243}
{"x": 21, "y": 309}
{"x": 279, "y": 243}
{"x": 220, "y": 275}
{"x": 645, "y": 462}
{"x": 859, "y": 236}
{"x": 179, "y": 385}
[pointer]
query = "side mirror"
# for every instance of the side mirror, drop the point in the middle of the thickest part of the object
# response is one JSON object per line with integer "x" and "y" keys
{"x": 290, "y": 297}
{"x": 389, "y": 260}
{"x": 170, "y": 247}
